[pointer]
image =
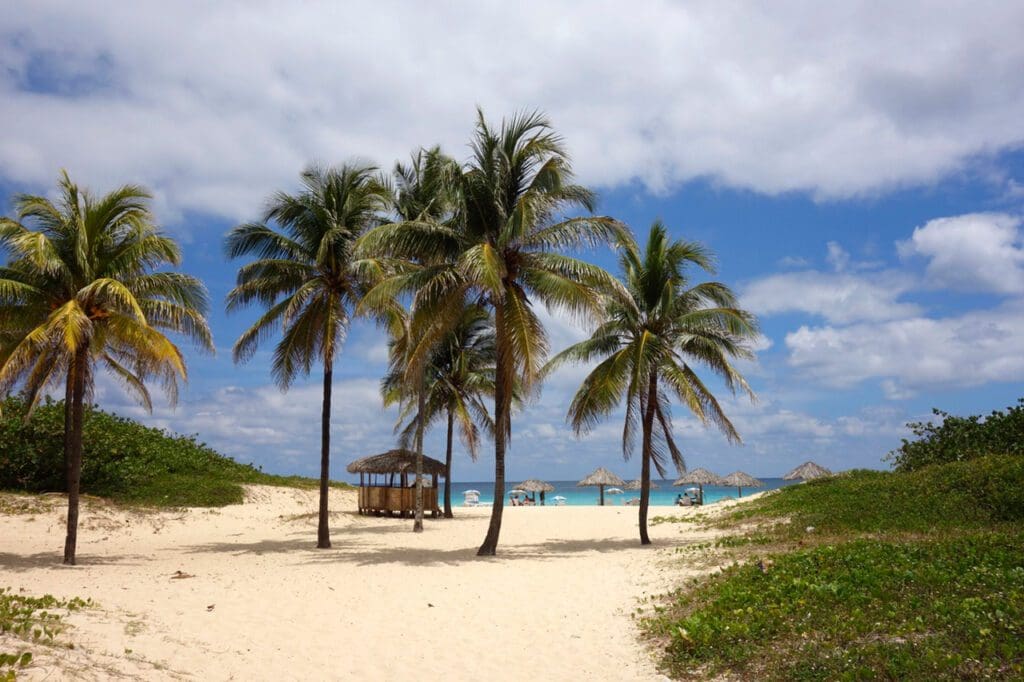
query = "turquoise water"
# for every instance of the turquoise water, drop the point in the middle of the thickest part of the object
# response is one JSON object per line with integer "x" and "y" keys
{"x": 664, "y": 495}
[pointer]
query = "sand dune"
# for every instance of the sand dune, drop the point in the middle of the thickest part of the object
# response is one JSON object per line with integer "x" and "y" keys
{"x": 255, "y": 600}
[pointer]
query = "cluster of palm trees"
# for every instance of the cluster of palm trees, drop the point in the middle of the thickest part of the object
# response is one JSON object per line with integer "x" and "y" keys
{"x": 450, "y": 259}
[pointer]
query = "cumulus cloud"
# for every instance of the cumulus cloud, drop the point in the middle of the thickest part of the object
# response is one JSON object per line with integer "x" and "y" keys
{"x": 280, "y": 431}
{"x": 215, "y": 106}
{"x": 967, "y": 350}
{"x": 838, "y": 297}
{"x": 973, "y": 252}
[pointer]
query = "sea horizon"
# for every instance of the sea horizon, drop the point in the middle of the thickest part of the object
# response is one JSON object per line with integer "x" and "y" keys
{"x": 664, "y": 495}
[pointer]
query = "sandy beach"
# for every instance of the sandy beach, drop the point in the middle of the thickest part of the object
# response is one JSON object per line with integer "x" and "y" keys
{"x": 255, "y": 600}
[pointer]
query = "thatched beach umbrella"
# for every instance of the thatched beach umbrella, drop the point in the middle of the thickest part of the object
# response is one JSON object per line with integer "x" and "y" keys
{"x": 806, "y": 472}
{"x": 741, "y": 481}
{"x": 635, "y": 485}
{"x": 699, "y": 477}
{"x": 601, "y": 478}
{"x": 535, "y": 486}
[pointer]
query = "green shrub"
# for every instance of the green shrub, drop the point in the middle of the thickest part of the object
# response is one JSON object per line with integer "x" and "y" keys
{"x": 957, "y": 439}
{"x": 866, "y": 609}
{"x": 971, "y": 494}
{"x": 915, "y": 575}
{"x": 122, "y": 459}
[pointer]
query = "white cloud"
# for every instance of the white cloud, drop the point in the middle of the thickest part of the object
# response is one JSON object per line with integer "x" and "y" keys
{"x": 215, "y": 106}
{"x": 278, "y": 430}
{"x": 837, "y": 257}
{"x": 973, "y": 252}
{"x": 968, "y": 350}
{"x": 837, "y": 297}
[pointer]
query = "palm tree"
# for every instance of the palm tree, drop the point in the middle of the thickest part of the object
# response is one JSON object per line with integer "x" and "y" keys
{"x": 424, "y": 193}
{"x": 501, "y": 250}
{"x": 80, "y": 290}
{"x": 646, "y": 349}
{"x": 308, "y": 281}
{"x": 459, "y": 375}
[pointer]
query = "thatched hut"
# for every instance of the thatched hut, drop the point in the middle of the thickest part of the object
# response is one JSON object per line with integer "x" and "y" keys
{"x": 387, "y": 483}
{"x": 699, "y": 477}
{"x": 535, "y": 486}
{"x": 601, "y": 478}
{"x": 806, "y": 472}
{"x": 741, "y": 480}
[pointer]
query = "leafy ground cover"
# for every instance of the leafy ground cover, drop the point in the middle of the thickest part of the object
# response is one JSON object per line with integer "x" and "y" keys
{"x": 124, "y": 461}
{"x": 27, "y": 621}
{"x": 904, "y": 576}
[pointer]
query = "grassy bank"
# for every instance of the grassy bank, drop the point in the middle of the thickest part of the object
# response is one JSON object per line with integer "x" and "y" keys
{"x": 917, "y": 575}
{"x": 123, "y": 461}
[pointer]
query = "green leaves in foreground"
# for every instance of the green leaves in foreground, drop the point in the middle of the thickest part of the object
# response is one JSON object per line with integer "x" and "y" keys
{"x": 867, "y": 609}
{"x": 31, "y": 619}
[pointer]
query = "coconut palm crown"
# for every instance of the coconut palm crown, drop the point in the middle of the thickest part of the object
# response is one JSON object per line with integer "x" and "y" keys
{"x": 647, "y": 350}
{"x": 306, "y": 277}
{"x": 501, "y": 250}
{"x": 81, "y": 290}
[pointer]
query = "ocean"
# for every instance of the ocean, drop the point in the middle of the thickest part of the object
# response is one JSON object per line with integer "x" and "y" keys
{"x": 663, "y": 496}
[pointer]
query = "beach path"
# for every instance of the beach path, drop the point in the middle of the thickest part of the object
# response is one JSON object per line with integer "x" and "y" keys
{"x": 240, "y": 592}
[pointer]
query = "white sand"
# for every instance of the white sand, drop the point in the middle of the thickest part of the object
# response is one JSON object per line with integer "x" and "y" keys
{"x": 382, "y": 604}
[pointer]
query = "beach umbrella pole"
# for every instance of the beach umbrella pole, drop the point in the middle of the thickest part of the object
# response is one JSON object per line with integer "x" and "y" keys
{"x": 602, "y": 495}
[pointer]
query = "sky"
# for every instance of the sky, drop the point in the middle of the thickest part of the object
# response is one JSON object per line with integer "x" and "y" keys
{"x": 857, "y": 168}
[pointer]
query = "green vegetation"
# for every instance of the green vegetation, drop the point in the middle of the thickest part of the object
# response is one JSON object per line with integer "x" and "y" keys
{"x": 975, "y": 494}
{"x": 123, "y": 460}
{"x": 903, "y": 576}
{"x": 962, "y": 438}
{"x": 31, "y": 620}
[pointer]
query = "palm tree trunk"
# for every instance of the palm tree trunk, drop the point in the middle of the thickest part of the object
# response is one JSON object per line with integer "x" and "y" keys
{"x": 69, "y": 398}
{"x": 501, "y": 417}
{"x": 73, "y": 438}
{"x": 323, "y": 531}
{"x": 448, "y": 468}
{"x": 645, "y": 466}
{"x": 421, "y": 408}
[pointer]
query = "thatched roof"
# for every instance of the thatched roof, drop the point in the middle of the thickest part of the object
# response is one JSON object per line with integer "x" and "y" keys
{"x": 807, "y": 471}
{"x": 700, "y": 476}
{"x": 395, "y": 462}
{"x": 601, "y": 476}
{"x": 535, "y": 486}
{"x": 635, "y": 485}
{"x": 738, "y": 479}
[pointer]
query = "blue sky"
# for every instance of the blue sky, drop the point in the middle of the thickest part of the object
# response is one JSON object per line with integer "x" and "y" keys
{"x": 859, "y": 173}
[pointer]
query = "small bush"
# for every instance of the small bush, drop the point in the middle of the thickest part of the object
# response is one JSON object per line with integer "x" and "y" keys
{"x": 957, "y": 439}
{"x": 32, "y": 620}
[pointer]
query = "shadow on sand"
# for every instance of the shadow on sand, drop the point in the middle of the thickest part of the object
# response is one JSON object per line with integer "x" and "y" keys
{"x": 27, "y": 562}
{"x": 356, "y": 545}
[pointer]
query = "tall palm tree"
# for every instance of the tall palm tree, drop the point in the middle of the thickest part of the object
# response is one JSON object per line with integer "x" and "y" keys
{"x": 459, "y": 375}
{"x": 424, "y": 193}
{"x": 308, "y": 281}
{"x": 501, "y": 250}
{"x": 80, "y": 291}
{"x": 654, "y": 335}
